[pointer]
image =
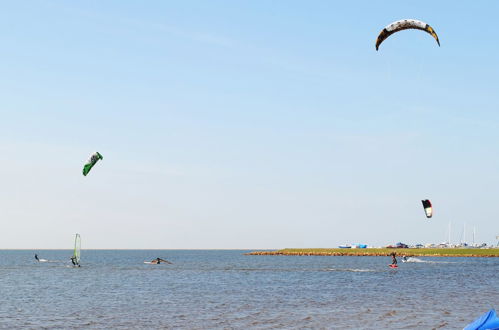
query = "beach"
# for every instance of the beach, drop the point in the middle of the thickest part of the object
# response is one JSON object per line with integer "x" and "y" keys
{"x": 441, "y": 252}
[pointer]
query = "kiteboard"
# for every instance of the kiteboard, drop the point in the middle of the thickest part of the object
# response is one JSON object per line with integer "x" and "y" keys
{"x": 393, "y": 266}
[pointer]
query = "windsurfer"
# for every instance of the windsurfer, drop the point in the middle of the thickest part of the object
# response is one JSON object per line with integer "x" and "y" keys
{"x": 36, "y": 257}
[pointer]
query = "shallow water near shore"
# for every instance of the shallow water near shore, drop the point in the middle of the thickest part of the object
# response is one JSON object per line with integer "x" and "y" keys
{"x": 226, "y": 289}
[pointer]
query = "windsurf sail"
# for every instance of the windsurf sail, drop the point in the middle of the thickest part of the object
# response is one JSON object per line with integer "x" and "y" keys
{"x": 76, "y": 252}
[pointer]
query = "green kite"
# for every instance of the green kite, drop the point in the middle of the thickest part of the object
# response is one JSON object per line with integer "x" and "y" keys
{"x": 91, "y": 162}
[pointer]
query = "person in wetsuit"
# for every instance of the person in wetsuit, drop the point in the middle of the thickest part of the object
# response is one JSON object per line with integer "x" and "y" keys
{"x": 158, "y": 261}
{"x": 36, "y": 257}
{"x": 73, "y": 260}
{"x": 394, "y": 259}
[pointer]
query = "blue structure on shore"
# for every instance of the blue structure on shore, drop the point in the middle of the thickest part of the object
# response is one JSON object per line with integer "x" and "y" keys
{"x": 360, "y": 246}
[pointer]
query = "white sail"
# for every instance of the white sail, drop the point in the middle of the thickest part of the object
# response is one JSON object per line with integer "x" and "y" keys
{"x": 76, "y": 252}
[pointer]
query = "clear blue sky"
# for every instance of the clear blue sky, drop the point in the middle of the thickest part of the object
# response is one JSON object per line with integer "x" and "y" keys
{"x": 246, "y": 124}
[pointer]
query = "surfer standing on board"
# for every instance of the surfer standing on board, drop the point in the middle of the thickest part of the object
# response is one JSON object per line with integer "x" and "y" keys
{"x": 394, "y": 259}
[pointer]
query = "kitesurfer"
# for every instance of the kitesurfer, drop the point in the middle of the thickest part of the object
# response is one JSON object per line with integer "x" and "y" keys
{"x": 158, "y": 261}
{"x": 394, "y": 259}
{"x": 36, "y": 257}
{"x": 404, "y": 258}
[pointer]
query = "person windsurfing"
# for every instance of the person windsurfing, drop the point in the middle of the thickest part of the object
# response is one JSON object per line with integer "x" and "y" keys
{"x": 394, "y": 259}
{"x": 74, "y": 261}
{"x": 36, "y": 257}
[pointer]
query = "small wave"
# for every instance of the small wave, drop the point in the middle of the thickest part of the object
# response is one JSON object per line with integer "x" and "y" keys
{"x": 50, "y": 261}
{"x": 72, "y": 266}
{"x": 271, "y": 269}
{"x": 388, "y": 314}
{"x": 360, "y": 270}
{"x": 412, "y": 259}
{"x": 300, "y": 269}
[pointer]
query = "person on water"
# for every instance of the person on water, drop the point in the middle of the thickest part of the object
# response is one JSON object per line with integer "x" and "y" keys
{"x": 404, "y": 258}
{"x": 158, "y": 261}
{"x": 36, "y": 257}
{"x": 394, "y": 259}
{"x": 73, "y": 260}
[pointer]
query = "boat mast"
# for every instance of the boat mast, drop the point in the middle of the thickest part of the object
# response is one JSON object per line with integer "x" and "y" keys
{"x": 474, "y": 229}
{"x": 464, "y": 233}
{"x": 450, "y": 223}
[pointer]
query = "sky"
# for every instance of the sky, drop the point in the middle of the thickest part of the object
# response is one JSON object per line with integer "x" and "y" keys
{"x": 246, "y": 124}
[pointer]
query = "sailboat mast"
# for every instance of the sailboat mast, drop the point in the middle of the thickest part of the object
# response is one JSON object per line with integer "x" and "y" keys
{"x": 464, "y": 233}
{"x": 450, "y": 223}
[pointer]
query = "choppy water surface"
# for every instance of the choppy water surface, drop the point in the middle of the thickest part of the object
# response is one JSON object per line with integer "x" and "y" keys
{"x": 226, "y": 289}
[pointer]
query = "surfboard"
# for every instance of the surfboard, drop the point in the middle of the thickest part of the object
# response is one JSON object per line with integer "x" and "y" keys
{"x": 393, "y": 266}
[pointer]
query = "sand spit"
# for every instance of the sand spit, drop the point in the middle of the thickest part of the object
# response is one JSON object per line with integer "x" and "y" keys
{"x": 382, "y": 252}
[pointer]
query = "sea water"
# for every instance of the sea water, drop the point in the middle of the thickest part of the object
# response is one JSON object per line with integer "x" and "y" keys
{"x": 210, "y": 289}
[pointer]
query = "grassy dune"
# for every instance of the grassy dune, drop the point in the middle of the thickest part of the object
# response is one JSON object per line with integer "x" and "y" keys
{"x": 444, "y": 252}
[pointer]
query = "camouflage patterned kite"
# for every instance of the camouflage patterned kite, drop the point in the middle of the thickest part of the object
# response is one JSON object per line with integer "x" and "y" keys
{"x": 405, "y": 24}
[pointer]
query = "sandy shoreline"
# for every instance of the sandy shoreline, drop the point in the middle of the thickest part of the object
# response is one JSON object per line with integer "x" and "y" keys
{"x": 483, "y": 253}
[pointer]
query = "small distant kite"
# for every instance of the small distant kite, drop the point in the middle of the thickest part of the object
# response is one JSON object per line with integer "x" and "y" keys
{"x": 405, "y": 24}
{"x": 94, "y": 158}
{"x": 428, "y": 209}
